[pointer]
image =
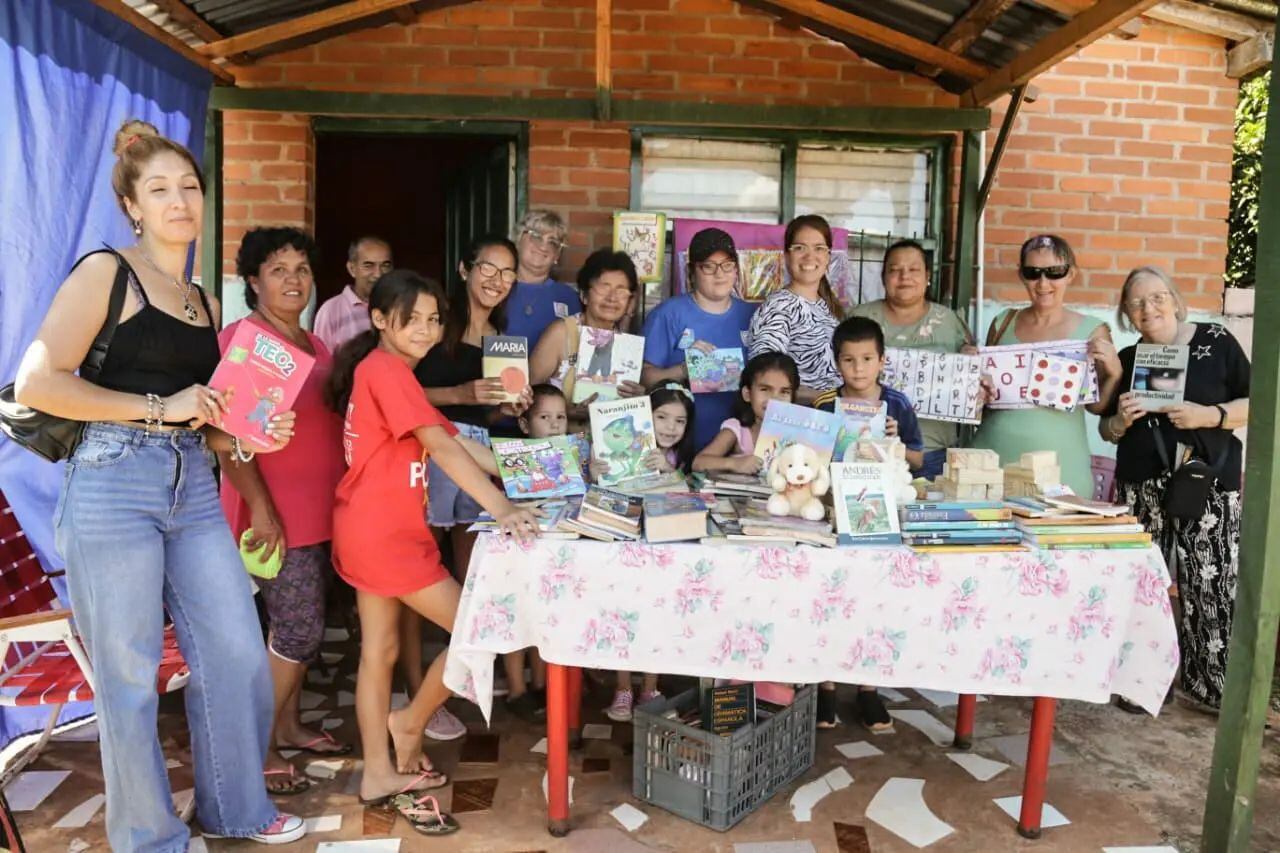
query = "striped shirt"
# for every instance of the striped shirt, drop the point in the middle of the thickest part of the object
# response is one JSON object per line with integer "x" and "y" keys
{"x": 341, "y": 318}
{"x": 791, "y": 324}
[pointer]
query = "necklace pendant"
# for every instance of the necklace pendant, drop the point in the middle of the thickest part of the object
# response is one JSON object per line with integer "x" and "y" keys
{"x": 190, "y": 311}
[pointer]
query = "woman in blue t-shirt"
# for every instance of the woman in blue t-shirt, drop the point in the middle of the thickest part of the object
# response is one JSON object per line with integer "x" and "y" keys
{"x": 537, "y": 298}
{"x": 707, "y": 318}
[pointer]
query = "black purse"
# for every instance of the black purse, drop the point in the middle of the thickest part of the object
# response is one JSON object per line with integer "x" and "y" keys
{"x": 50, "y": 436}
{"x": 1187, "y": 494}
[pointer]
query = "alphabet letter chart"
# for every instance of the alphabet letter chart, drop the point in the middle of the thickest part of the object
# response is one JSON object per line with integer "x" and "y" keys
{"x": 942, "y": 386}
{"x": 1009, "y": 367}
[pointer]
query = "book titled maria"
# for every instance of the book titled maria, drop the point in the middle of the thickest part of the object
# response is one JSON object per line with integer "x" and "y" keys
{"x": 539, "y": 467}
{"x": 261, "y": 374}
{"x": 621, "y": 436}
{"x": 863, "y": 503}
{"x": 506, "y": 358}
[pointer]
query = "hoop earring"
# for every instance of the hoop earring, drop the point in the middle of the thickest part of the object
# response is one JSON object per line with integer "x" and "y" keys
{"x": 137, "y": 227}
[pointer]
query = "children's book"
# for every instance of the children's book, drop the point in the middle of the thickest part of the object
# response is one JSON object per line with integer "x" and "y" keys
{"x": 859, "y": 420}
{"x": 718, "y": 370}
{"x": 1160, "y": 375}
{"x": 621, "y": 436}
{"x": 1056, "y": 382}
{"x": 261, "y": 374}
{"x": 643, "y": 236}
{"x": 506, "y": 357}
{"x": 612, "y": 510}
{"x": 863, "y": 504}
{"x": 786, "y": 424}
{"x": 539, "y": 467}
{"x": 674, "y": 516}
{"x": 606, "y": 359}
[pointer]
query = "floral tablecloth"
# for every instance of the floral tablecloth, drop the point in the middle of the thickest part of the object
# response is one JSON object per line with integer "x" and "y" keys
{"x": 1071, "y": 624}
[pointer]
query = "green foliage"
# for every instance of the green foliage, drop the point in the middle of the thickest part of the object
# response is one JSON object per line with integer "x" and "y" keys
{"x": 1246, "y": 180}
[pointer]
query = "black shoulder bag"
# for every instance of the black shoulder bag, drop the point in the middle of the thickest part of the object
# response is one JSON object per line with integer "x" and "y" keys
{"x": 49, "y": 436}
{"x": 1187, "y": 495}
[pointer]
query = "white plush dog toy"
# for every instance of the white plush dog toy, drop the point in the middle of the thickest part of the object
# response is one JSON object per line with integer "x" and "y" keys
{"x": 798, "y": 478}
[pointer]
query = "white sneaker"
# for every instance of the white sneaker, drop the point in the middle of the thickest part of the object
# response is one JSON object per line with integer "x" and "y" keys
{"x": 285, "y": 829}
{"x": 443, "y": 725}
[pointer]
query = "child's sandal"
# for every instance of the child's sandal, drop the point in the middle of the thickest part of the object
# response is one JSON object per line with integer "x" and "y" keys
{"x": 424, "y": 814}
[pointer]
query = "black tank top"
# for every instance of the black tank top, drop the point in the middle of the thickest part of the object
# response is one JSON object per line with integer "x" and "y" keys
{"x": 154, "y": 352}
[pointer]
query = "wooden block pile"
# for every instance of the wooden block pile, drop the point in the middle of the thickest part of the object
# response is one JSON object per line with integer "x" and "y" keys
{"x": 1032, "y": 474}
{"x": 972, "y": 475}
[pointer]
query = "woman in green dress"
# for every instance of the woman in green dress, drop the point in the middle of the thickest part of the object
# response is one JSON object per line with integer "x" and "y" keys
{"x": 1047, "y": 269}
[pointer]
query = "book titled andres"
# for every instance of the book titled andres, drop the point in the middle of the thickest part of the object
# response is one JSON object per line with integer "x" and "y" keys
{"x": 506, "y": 358}
{"x": 621, "y": 436}
{"x": 859, "y": 420}
{"x": 786, "y": 424}
{"x": 261, "y": 374}
{"x": 718, "y": 370}
{"x": 1160, "y": 375}
{"x": 539, "y": 467}
{"x": 864, "y": 507}
{"x": 606, "y": 359}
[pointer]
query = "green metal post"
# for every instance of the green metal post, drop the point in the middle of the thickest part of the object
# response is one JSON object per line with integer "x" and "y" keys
{"x": 1228, "y": 814}
{"x": 966, "y": 253}
{"x": 211, "y": 236}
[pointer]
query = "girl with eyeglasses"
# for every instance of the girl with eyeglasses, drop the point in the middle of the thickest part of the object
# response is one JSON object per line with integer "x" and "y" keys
{"x": 708, "y": 317}
{"x": 538, "y": 298}
{"x": 1047, "y": 269}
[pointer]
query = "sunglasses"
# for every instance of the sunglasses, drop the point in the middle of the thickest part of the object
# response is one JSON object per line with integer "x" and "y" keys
{"x": 1053, "y": 273}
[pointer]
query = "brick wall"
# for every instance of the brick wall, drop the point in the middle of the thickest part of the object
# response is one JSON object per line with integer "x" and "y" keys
{"x": 1127, "y": 154}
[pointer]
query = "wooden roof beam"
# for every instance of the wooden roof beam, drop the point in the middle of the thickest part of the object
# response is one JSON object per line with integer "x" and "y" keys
{"x": 183, "y": 15}
{"x": 129, "y": 15}
{"x": 886, "y": 37}
{"x": 1205, "y": 19}
{"x": 265, "y": 37}
{"x": 1081, "y": 31}
{"x": 1065, "y": 8}
{"x": 967, "y": 29}
{"x": 1252, "y": 55}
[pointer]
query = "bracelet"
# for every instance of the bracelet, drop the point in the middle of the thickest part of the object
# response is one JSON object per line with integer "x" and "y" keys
{"x": 155, "y": 412}
{"x": 238, "y": 453}
{"x": 1222, "y": 418}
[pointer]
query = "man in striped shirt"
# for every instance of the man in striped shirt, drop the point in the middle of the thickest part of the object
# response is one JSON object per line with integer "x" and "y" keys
{"x": 346, "y": 315}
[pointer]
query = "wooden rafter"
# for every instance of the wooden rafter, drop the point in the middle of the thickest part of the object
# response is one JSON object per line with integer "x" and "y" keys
{"x": 967, "y": 29}
{"x": 1084, "y": 29}
{"x": 1065, "y": 8}
{"x": 1205, "y": 19}
{"x": 129, "y": 15}
{"x": 887, "y": 37}
{"x": 265, "y": 37}
{"x": 183, "y": 15}
{"x": 604, "y": 57}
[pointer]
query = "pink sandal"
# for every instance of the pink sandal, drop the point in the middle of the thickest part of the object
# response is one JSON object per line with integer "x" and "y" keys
{"x": 424, "y": 814}
{"x": 310, "y": 746}
{"x": 438, "y": 780}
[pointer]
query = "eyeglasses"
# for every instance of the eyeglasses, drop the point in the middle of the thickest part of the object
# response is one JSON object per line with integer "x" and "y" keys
{"x": 489, "y": 270}
{"x": 711, "y": 267}
{"x": 801, "y": 248}
{"x": 545, "y": 240}
{"x": 1155, "y": 300}
{"x": 1053, "y": 273}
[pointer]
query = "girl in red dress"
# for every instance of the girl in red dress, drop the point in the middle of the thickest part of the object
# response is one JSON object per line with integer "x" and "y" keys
{"x": 381, "y": 544}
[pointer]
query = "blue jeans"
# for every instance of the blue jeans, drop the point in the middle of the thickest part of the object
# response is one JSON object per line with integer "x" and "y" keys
{"x": 448, "y": 505}
{"x": 141, "y": 530}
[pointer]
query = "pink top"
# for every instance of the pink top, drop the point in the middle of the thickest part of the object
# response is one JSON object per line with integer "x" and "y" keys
{"x": 341, "y": 318}
{"x": 302, "y": 478}
{"x": 746, "y": 444}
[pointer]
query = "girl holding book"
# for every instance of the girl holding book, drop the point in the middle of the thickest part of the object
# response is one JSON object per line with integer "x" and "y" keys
{"x": 382, "y": 546}
{"x": 768, "y": 376}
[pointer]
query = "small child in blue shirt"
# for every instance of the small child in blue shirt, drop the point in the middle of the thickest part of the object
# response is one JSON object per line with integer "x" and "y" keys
{"x": 858, "y": 346}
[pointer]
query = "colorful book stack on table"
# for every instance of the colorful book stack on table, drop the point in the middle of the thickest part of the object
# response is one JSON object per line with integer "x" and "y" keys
{"x": 960, "y": 525}
{"x": 605, "y": 515}
{"x": 1072, "y": 523}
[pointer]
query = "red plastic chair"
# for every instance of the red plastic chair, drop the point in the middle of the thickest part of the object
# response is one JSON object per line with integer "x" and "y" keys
{"x": 44, "y": 662}
{"x": 1104, "y": 478}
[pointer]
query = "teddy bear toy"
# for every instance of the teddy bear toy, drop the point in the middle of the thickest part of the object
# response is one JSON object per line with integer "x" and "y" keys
{"x": 798, "y": 478}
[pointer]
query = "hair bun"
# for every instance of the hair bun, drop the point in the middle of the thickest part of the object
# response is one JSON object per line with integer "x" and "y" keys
{"x": 129, "y": 131}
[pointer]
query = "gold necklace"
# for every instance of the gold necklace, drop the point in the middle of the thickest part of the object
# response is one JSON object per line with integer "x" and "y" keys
{"x": 184, "y": 287}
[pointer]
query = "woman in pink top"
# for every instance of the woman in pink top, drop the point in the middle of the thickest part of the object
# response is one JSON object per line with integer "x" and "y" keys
{"x": 286, "y": 498}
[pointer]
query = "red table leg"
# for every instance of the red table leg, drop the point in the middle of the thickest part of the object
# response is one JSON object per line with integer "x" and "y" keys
{"x": 575, "y": 707}
{"x": 557, "y": 750}
{"x": 1039, "y": 745}
{"x": 965, "y": 713}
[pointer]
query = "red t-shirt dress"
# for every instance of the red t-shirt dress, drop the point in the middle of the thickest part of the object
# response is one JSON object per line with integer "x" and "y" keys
{"x": 381, "y": 543}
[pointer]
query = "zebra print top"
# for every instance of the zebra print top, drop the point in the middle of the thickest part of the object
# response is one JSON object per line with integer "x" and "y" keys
{"x": 802, "y": 329}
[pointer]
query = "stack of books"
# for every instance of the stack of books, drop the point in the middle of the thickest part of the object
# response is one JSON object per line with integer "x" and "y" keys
{"x": 605, "y": 515}
{"x": 1070, "y": 522}
{"x": 550, "y": 515}
{"x": 755, "y": 524}
{"x": 674, "y": 517}
{"x": 728, "y": 485}
{"x": 960, "y": 525}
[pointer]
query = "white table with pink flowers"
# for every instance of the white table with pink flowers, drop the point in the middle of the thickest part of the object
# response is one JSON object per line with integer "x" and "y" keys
{"x": 1065, "y": 624}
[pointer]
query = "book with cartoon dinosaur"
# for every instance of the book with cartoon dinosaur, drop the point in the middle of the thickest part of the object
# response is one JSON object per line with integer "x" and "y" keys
{"x": 718, "y": 370}
{"x": 787, "y": 424}
{"x": 539, "y": 467}
{"x": 506, "y": 358}
{"x": 605, "y": 359}
{"x": 621, "y": 437}
{"x": 261, "y": 374}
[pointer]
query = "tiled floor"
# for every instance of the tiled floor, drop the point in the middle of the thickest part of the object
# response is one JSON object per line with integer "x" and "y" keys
{"x": 1120, "y": 780}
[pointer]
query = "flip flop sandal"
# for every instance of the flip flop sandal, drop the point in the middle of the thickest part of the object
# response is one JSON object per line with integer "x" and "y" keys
{"x": 435, "y": 777}
{"x": 424, "y": 814}
{"x": 295, "y": 784}
{"x": 310, "y": 746}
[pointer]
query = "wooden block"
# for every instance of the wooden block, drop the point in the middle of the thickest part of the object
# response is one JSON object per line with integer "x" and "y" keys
{"x": 977, "y": 476}
{"x": 995, "y": 492}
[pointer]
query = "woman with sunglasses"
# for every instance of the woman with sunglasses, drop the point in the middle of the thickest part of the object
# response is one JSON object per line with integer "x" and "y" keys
{"x": 537, "y": 298}
{"x": 1215, "y": 403}
{"x": 709, "y": 317}
{"x": 1047, "y": 269}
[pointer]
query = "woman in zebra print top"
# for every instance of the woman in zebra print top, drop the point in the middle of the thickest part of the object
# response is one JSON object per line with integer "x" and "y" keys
{"x": 800, "y": 319}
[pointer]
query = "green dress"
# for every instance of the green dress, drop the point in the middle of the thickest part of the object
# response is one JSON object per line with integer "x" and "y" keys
{"x": 1012, "y": 432}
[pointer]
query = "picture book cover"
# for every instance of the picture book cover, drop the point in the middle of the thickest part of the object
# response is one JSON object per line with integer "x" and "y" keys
{"x": 1009, "y": 368}
{"x": 506, "y": 357}
{"x": 643, "y": 236}
{"x": 718, "y": 370}
{"x": 605, "y": 359}
{"x": 786, "y": 424}
{"x": 539, "y": 467}
{"x": 942, "y": 386}
{"x": 262, "y": 374}
{"x": 1056, "y": 382}
{"x": 621, "y": 436}
{"x": 624, "y": 509}
{"x": 864, "y": 507}
{"x": 859, "y": 420}
{"x": 1160, "y": 375}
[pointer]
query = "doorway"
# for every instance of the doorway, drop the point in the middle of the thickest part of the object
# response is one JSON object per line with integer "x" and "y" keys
{"x": 426, "y": 187}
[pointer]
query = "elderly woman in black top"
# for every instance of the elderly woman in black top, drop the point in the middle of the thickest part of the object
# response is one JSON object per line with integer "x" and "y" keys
{"x": 1216, "y": 402}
